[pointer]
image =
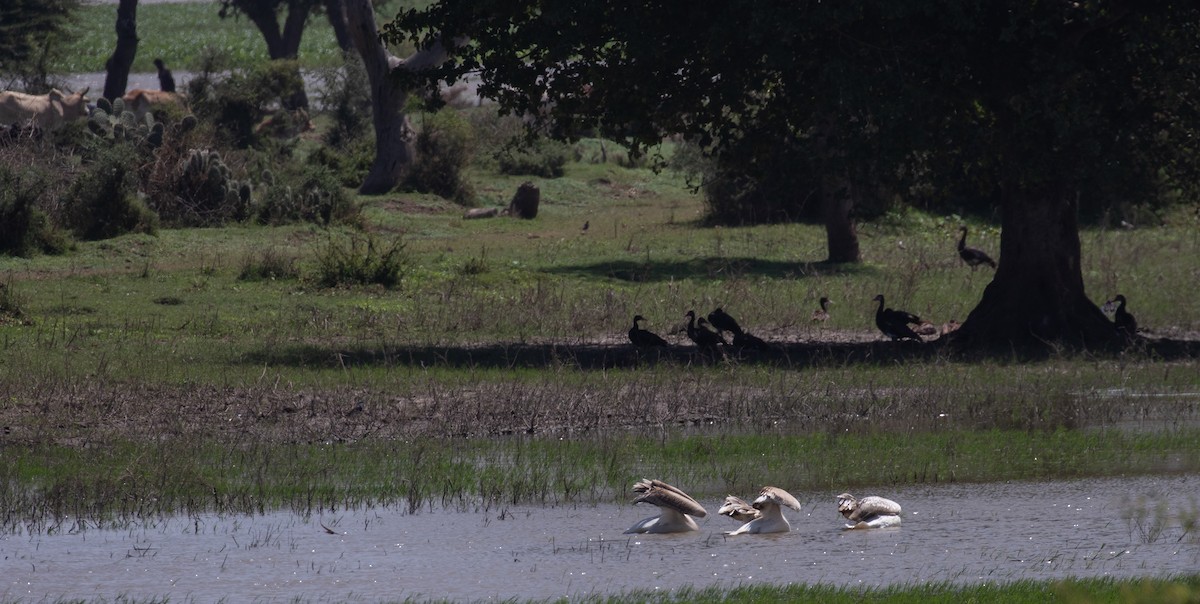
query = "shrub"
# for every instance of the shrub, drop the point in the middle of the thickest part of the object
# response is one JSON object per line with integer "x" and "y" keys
{"x": 269, "y": 265}
{"x": 361, "y": 260}
{"x": 239, "y": 102}
{"x": 207, "y": 192}
{"x": 540, "y": 157}
{"x": 346, "y": 97}
{"x": 103, "y": 203}
{"x": 304, "y": 193}
{"x": 444, "y": 148}
{"x": 24, "y": 227}
{"x": 348, "y": 164}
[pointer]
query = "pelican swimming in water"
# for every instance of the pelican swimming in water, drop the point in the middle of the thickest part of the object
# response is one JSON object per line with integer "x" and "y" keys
{"x": 677, "y": 508}
{"x": 868, "y": 512}
{"x": 738, "y": 509}
{"x": 770, "y": 517}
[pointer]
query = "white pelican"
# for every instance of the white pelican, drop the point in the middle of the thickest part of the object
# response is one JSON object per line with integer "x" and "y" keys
{"x": 770, "y": 518}
{"x": 677, "y": 508}
{"x": 739, "y": 510}
{"x": 868, "y": 512}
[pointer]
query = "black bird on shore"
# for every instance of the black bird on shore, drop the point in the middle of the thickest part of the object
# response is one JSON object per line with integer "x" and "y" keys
{"x": 821, "y": 314}
{"x": 895, "y": 323}
{"x": 722, "y": 321}
{"x": 972, "y": 256}
{"x": 1126, "y": 324}
{"x": 700, "y": 333}
{"x": 643, "y": 338}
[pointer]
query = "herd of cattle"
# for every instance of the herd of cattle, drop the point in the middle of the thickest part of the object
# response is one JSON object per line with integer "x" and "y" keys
{"x": 53, "y": 109}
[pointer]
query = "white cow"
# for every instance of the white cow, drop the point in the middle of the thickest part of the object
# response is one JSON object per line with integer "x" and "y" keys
{"x": 50, "y": 110}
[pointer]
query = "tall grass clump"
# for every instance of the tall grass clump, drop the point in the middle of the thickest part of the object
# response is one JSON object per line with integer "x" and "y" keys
{"x": 271, "y": 264}
{"x": 361, "y": 260}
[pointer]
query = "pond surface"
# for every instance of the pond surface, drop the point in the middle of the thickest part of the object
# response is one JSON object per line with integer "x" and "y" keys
{"x": 956, "y": 533}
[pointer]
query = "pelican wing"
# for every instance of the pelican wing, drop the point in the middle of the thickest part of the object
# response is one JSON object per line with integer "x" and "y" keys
{"x": 661, "y": 494}
{"x": 738, "y": 509}
{"x": 877, "y": 506}
{"x": 777, "y": 496}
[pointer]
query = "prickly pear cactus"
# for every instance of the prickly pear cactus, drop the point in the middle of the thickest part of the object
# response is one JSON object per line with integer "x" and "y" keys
{"x": 112, "y": 121}
{"x": 208, "y": 187}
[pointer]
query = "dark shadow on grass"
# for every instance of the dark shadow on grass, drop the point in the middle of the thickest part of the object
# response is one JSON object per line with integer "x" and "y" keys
{"x": 613, "y": 356}
{"x": 709, "y": 267}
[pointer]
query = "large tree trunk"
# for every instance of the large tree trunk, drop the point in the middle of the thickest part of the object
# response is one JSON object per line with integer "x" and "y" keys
{"x": 337, "y": 20}
{"x": 841, "y": 235}
{"x": 282, "y": 44}
{"x": 393, "y": 135}
{"x": 117, "y": 66}
{"x": 1036, "y": 300}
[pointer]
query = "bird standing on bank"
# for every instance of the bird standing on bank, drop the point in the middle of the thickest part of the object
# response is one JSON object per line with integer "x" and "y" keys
{"x": 677, "y": 508}
{"x": 895, "y": 323}
{"x": 972, "y": 256}
{"x": 702, "y": 335}
{"x": 1126, "y": 324}
{"x": 643, "y": 338}
{"x": 821, "y": 314}
{"x": 723, "y": 322}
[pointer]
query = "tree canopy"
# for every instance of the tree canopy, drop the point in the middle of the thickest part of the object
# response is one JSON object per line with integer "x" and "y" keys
{"x": 27, "y": 28}
{"x": 1045, "y": 107}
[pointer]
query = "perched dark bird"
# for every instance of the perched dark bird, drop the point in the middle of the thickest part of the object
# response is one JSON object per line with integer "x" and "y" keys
{"x": 586, "y": 223}
{"x": 723, "y": 322}
{"x": 1126, "y": 324}
{"x": 643, "y": 338}
{"x": 166, "y": 81}
{"x": 895, "y": 323}
{"x": 741, "y": 338}
{"x": 973, "y": 257}
{"x": 821, "y": 314}
{"x": 700, "y": 334}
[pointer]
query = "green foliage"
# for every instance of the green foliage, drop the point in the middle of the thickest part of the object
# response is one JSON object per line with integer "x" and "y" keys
{"x": 103, "y": 201}
{"x": 539, "y": 157}
{"x": 349, "y": 164}
{"x": 237, "y": 102}
{"x": 345, "y": 96}
{"x": 32, "y": 35}
{"x": 271, "y": 264}
{"x": 361, "y": 260}
{"x": 304, "y": 193}
{"x": 24, "y": 227}
{"x": 445, "y": 146}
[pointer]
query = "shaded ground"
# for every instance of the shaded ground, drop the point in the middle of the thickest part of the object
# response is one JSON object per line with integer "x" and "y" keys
{"x": 556, "y": 401}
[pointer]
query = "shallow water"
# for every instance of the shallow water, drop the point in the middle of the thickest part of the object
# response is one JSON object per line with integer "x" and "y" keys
{"x": 957, "y": 533}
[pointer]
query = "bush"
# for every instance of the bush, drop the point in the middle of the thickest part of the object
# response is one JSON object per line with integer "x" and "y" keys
{"x": 24, "y": 227}
{"x": 239, "y": 102}
{"x": 269, "y": 265}
{"x": 349, "y": 164}
{"x": 346, "y": 96}
{"x": 361, "y": 261}
{"x": 541, "y": 157}
{"x": 103, "y": 202}
{"x": 304, "y": 193}
{"x": 445, "y": 146}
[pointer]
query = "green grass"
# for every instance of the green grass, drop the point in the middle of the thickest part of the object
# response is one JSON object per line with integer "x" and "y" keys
{"x": 179, "y": 33}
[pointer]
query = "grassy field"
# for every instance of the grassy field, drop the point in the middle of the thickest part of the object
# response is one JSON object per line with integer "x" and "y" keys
{"x": 182, "y": 33}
